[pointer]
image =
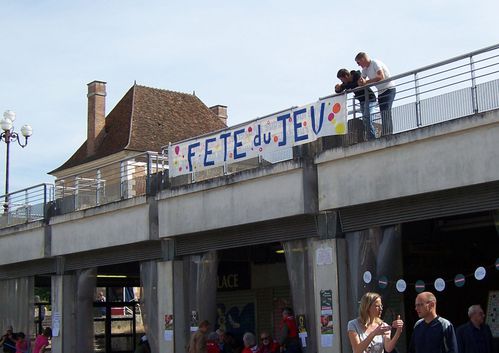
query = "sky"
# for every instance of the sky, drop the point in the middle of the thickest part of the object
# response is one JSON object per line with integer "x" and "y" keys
{"x": 256, "y": 57}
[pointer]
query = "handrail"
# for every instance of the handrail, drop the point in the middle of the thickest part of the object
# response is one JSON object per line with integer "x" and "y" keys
{"x": 423, "y": 68}
{"x": 111, "y": 163}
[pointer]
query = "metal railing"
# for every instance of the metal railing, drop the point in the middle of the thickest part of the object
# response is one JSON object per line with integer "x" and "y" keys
{"x": 26, "y": 205}
{"x": 450, "y": 89}
{"x": 124, "y": 179}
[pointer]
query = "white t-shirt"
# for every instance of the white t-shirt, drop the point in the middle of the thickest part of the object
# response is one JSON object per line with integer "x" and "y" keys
{"x": 372, "y": 69}
{"x": 376, "y": 345}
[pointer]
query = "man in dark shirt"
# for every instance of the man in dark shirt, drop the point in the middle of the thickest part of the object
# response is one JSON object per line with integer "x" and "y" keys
{"x": 475, "y": 336}
{"x": 8, "y": 341}
{"x": 432, "y": 333}
{"x": 349, "y": 80}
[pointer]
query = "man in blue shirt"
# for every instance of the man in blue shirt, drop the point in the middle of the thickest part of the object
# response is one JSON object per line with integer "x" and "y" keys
{"x": 475, "y": 336}
{"x": 432, "y": 333}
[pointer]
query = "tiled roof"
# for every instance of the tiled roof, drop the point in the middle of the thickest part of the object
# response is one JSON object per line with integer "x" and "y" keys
{"x": 155, "y": 117}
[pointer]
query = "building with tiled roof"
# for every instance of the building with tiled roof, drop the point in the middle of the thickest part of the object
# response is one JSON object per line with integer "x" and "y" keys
{"x": 145, "y": 119}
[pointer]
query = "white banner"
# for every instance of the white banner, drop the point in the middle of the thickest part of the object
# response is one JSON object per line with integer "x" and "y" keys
{"x": 283, "y": 130}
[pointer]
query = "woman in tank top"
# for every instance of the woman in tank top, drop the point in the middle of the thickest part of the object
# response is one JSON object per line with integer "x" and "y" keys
{"x": 368, "y": 333}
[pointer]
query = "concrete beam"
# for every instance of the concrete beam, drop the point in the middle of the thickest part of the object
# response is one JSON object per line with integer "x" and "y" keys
{"x": 439, "y": 157}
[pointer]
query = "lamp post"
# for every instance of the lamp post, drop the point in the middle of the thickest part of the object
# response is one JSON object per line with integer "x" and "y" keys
{"x": 9, "y": 135}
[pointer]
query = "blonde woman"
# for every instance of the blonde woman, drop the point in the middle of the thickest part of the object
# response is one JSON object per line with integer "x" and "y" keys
{"x": 368, "y": 333}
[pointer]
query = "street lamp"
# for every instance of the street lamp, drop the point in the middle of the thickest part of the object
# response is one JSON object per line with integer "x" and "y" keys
{"x": 9, "y": 135}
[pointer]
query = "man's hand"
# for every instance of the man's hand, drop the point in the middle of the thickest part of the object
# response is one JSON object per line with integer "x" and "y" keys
{"x": 361, "y": 81}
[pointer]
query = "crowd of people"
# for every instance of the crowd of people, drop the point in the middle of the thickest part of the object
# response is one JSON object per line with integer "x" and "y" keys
{"x": 204, "y": 341}
{"x": 376, "y": 73}
{"x": 432, "y": 333}
{"x": 16, "y": 342}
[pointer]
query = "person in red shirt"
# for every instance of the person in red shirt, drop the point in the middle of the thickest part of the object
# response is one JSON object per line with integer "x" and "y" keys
{"x": 268, "y": 345}
{"x": 21, "y": 343}
{"x": 290, "y": 343}
{"x": 42, "y": 341}
{"x": 212, "y": 343}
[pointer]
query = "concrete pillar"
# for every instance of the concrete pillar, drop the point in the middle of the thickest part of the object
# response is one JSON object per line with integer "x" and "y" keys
{"x": 165, "y": 306}
{"x": 325, "y": 273}
{"x": 63, "y": 313}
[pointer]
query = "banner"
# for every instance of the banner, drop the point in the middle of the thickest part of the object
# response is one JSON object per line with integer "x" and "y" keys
{"x": 282, "y": 130}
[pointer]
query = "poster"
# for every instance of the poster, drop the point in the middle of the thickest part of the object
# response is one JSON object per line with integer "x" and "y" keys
{"x": 327, "y": 328}
{"x": 168, "y": 332}
{"x": 56, "y": 323}
{"x": 302, "y": 330}
{"x": 324, "y": 256}
{"x": 492, "y": 318}
{"x": 194, "y": 321}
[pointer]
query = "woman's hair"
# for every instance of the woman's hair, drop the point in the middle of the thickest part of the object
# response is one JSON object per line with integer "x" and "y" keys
{"x": 366, "y": 301}
{"x": 47, "y": 332}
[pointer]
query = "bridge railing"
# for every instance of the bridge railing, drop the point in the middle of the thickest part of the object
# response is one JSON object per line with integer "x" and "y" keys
{"x": 26, "y": 205}
{"x": 127, "y": 178}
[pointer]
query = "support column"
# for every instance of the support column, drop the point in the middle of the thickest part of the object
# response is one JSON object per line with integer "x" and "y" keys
{"x": 328, "y": 334}
{"x": 63, "y": 313}
{"x": 165, "y": 328}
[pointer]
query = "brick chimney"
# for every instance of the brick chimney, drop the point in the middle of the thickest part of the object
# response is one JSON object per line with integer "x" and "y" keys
{"x": 221, "y": 112}
{"x": 96, "y": 115}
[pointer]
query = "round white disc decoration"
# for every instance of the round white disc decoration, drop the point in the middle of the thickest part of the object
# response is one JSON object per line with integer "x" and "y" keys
{"x": 401, "y": 285}
{"x": 480, "y": 273}
{"x": 367, "y": 277}
{"x": 439, "y": 284}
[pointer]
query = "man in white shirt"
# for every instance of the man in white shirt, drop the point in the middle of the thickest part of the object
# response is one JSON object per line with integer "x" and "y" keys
{"x": 375, "y": 71}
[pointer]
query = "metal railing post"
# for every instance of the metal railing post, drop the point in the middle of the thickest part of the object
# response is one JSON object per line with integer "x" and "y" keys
{"x": 26, "y": 205}
{"x": 353, "y": 104}
{"x": 97, "y": 189}
{"x": 418, "y": 100}
{"x": 474, "y": 97}
{"x": 148, "y": 176}
{"x": 122, "y": 180}
{"x": 44, "y": 202}
{"x": 77, "y": 185}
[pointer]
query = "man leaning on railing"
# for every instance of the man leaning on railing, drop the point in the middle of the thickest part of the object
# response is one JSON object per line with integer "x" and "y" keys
{"x": 375, "y": 71}
{"x": 349, "y": 80}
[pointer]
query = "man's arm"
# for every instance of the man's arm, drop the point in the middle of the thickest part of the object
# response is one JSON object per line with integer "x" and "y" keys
{"x": 450, "y": 339}
{"x": 339, "y": 88}
{"x": 380, "y": 75}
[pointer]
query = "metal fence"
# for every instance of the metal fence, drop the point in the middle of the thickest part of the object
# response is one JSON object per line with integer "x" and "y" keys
{"x": 26, "y": 205}
{"x": 124, "y": 179}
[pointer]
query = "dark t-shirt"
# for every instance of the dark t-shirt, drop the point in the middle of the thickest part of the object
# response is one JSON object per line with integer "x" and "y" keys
{"x": 354, "y": 84}
{"x": 474, "y": 340}
{"x": 9, "y": 346}
{"x": 437, "y": 336}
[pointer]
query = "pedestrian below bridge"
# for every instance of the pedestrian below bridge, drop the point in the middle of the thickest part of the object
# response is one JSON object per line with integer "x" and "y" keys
{"x": 475, "y": 336}
{"x": 432, "y": 333}
{"x": 368, "y": 333}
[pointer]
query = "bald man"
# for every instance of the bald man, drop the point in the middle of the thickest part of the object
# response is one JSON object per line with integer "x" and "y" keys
{"x": 475, "y": 336}
{"x": 432, "y": 333}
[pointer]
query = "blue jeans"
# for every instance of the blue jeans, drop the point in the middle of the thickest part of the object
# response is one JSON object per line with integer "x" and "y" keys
{"x": 367, "y": 109}
{"x": 385, "y": 101}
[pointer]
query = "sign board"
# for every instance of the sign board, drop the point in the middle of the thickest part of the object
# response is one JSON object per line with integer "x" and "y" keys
{"x": 275, "y": 132}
